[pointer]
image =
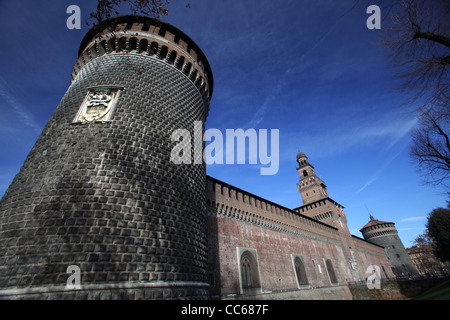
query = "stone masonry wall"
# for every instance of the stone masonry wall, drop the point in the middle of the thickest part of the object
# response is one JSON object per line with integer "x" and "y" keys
{"x": 104, "y": 195}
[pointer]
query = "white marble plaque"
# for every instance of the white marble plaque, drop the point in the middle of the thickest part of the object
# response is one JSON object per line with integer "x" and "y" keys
{"x": 98, "y": 105}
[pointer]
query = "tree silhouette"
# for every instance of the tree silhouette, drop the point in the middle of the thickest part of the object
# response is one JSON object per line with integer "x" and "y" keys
{"x": 151, "y": 8}
{"x": 439, "y": 230}
{"x": 418, "y": 37}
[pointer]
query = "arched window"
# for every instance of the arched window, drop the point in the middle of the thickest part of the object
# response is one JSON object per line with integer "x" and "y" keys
{"x": 305, "y": 174}
{"x": 330, "y": 270}
{"x": 249, "y": 271}
{"x": 246, "y": 274}
{"x": 300, "y": 271}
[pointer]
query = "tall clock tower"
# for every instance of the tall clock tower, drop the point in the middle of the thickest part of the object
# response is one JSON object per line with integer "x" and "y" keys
{"x": 311, "y": 187}
{"x": 319, "y": 206}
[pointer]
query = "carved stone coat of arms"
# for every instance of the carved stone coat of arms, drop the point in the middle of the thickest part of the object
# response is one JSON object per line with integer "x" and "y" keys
{"x": 98, "y": 104}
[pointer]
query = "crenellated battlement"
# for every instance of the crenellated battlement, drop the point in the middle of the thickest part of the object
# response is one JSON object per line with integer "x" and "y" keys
{"x": 239, "y": 204}
{"x": 137, "y": 35}
{"x": 379, "y": 230}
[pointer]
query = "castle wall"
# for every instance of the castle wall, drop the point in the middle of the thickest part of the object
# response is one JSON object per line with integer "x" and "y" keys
{"x": 370, "y": 254}
{"x": 99, "y": 191}
{"x": 240, "y": 221}
{"x": 363, "y": 252}
{"x": 276, "y": 235}
{"x": 275, "y": 251}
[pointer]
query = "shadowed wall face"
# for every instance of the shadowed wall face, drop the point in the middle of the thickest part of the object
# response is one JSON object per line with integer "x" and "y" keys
{"x": 385, "y": 234}
{"x": 98, "y": 189}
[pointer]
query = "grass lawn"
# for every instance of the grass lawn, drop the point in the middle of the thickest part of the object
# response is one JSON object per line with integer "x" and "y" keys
{"x": 440, "y": 292}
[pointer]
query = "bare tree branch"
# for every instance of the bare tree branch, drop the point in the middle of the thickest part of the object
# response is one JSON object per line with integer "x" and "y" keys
{"x": 418, "y": 38}
{"x": 108, "y": 8}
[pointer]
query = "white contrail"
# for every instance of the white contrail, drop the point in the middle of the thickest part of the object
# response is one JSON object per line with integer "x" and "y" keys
{"x": 23, "y": 114}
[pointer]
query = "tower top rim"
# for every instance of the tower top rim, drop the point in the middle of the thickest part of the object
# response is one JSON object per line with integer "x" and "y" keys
{"x": 374, "y": 222}
{"x": 99, "y": 28}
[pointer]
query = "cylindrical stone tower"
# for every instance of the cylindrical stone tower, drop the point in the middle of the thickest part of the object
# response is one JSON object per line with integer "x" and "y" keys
{"x": 98, "y": 191}
{"x": 385, "y": 234}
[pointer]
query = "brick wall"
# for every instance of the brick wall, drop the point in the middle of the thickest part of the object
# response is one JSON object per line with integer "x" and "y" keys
{"x": 239, "y": 221}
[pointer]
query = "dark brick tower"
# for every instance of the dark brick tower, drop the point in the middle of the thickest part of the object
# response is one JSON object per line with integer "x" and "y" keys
{"x": 98, "y": 189}
{"x": 385, "y": 234}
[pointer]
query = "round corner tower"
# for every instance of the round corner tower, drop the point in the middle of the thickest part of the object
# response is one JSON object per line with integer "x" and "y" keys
{"x": 99, "y": 191}
{"x": 385, "y": 234}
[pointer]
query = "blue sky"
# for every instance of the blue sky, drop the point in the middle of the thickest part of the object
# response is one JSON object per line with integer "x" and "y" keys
{"x": 311, "y": 69}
